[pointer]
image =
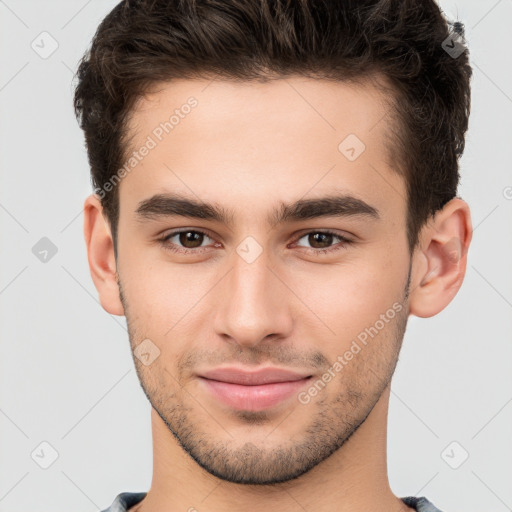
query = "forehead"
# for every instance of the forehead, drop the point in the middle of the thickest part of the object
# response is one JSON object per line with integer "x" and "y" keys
{"x": 282, "y": 139}
{"x": 328, "y": 106}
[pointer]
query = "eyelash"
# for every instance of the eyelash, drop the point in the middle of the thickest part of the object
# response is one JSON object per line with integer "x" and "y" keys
{"x": 173, "y": 248}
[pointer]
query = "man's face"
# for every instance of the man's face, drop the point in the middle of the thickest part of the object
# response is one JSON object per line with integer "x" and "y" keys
{"x": 247, "y": 292}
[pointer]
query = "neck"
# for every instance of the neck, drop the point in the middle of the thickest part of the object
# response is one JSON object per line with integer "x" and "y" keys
{"x": 354, "y": 478}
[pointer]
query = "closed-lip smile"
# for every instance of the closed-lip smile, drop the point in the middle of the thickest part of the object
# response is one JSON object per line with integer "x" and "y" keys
{"x": 252, "y": 390}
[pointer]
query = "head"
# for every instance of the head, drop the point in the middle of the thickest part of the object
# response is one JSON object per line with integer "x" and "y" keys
{"x": 311, "y": 151}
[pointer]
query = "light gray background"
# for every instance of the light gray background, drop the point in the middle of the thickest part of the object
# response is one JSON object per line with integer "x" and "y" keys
{"x": 67, "y": 376}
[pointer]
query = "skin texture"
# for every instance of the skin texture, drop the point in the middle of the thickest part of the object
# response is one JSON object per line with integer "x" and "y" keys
{"x": 247, "y": 148}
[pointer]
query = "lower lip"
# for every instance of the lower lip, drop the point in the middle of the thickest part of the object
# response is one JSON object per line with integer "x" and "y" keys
{"x": 253, "y": 398}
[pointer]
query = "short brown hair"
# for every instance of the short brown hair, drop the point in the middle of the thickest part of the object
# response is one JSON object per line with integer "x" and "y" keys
{"x": 142, "y": 42}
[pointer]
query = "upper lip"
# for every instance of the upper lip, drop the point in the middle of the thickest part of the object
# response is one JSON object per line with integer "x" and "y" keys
{"x": 253, "y": 378}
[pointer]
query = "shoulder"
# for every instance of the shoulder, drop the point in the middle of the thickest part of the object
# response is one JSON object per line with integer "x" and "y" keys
{"x": 420, "y": 504}
{"x": 125, "y": 501}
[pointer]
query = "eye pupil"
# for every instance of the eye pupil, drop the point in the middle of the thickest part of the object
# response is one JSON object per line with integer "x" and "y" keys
{"x": 195, "y": 239}
{"x": 326, "y": 237}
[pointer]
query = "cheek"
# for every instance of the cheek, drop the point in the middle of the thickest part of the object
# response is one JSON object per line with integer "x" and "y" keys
{"x": 165, "y": 298}
{"x": 151, "y": 283}
{"x": 348, "y": 298}
{"x": 342, "y": 299}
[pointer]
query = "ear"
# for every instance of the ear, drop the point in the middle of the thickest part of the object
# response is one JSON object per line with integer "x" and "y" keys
{"x": 440, "y": 260}
{"x": 100, "y": 254}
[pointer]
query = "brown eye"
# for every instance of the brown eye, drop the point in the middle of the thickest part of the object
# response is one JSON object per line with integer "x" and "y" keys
{"x": 190, "y": 239}
{"x": 184, "y": 241}
{"x": 320, "y": 240}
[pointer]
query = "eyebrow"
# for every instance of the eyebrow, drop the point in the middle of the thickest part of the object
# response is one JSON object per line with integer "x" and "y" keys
{"x": 171, "y": 205}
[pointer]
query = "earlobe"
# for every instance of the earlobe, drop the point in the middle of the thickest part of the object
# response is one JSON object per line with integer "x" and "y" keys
{"x": 444, "y": 244}
{"x": 100, "y": 255}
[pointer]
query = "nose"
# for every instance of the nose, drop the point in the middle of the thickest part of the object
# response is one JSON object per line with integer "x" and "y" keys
{"x": 253, "y": 303}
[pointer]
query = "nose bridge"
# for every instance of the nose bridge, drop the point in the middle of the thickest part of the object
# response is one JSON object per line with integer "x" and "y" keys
{"x": 251, "y": 306}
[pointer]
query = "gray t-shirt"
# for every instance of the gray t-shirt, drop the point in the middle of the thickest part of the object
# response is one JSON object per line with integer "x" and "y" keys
{"x": 126, "y": 500}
